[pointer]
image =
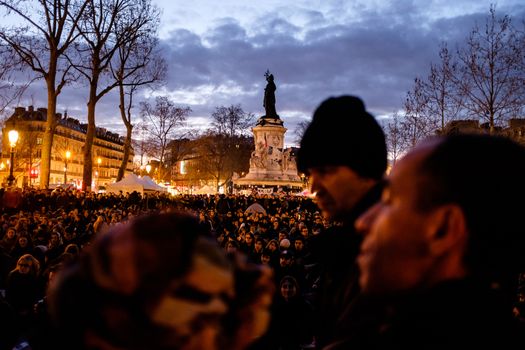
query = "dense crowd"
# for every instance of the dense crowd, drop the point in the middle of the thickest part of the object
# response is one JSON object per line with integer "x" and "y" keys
{"x": 42, "y": 231}
{"x": 427, "y": 257}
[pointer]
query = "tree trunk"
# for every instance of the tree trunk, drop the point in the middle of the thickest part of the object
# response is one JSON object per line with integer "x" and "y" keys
{"x": 161, "y": 164}
{"x": 49, "y": 132}
{"x": 127, "y": 152}
{"x": 127, "y": 141}
{"x": 90, "y": 136}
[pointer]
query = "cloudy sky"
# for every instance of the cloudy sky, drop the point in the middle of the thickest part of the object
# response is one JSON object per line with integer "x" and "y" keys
{"x": 218, "y": 52}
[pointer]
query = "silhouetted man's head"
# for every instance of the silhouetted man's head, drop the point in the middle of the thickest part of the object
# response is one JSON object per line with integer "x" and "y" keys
{"x": 344, "y": 152}
{"x": 448, "y": 211}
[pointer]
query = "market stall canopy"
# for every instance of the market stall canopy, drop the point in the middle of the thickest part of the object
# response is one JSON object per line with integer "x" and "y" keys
{"x": 151, "y": 185}
{"x": 206, "y": 189}
{"x": 132, "y": 182}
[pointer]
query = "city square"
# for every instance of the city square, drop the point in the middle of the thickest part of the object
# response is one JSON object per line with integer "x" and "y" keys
{"x": 334, "y": 175}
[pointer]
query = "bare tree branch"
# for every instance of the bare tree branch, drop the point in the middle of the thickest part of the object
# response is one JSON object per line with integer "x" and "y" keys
{"x": 41, "y": 41}
{"x": 163, "y": 125}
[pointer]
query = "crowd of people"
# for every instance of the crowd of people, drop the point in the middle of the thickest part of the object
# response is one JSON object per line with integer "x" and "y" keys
{"x": 48, "y": 230}
{"x": 428, "y": 256}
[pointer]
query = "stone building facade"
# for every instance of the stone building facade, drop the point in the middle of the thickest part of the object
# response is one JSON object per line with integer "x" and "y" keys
{"x": 70, "y": 136}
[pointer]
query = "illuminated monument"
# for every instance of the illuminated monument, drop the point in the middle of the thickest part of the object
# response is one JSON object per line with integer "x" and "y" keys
{"x": 271, "y": 165}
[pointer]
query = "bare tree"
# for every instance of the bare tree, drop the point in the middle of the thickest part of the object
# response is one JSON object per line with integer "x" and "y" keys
{"x": 137, "y": 64}
{"x": 41, "y": 39}
{"x": 491, "y": 79}
{"x": 105, "y": 27}
{"x": 28, "y": 149}
{"x": 140, "y": 144}
{"x": 395, "y": 138}
{"x": 417, "y": 123}
{"x": 485, "y": 81}
{"x": 179, "y": 149}
{"x": 224, "y": 143}
{"x": 300, "y": 129}
{"x": 220, "y": 156}
{"x": 443, "y": 102}
{"x": 213, "y": 151}
{"x": 431, "y": 103}
{"x": 12, "y": 86}
{"x": 163, "y": 125}
{"x": 231, "y": 120}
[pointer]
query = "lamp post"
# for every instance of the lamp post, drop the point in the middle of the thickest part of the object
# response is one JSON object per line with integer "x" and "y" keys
{"x": 68, "y": 155}
{"x": 13, "y": 138}
{"x": 99, "y": 160}
{"x": 148, "y": 168}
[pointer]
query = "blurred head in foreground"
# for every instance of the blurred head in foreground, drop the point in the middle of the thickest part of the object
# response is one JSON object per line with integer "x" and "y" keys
{"x": 448, "y": 212}
{"x": 160, "y": 282}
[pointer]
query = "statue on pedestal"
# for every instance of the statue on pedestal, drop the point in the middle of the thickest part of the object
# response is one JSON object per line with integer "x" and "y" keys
{"x": 269, "y": 97}
{"x": 271, "y": 163}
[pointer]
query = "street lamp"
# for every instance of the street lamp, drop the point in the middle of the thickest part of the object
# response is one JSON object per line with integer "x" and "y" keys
{"x": 99, "y": 160}
{"x": 68, "y": 155}
{"x": 13, "y": 138}
{"x": 148, "y": 168}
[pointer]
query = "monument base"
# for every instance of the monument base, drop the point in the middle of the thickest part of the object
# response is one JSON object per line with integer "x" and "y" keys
{"x": 243, "y": 185}
{"x": 273, "y": 181}
{"x": 270, "y": 164}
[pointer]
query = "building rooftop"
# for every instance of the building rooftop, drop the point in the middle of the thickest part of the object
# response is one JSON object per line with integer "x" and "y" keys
{"x": 40, "y": 114}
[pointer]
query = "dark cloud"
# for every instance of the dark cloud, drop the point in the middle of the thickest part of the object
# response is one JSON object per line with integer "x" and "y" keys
{"x": 375, "y": 54}
{"x": 230, "y": 30}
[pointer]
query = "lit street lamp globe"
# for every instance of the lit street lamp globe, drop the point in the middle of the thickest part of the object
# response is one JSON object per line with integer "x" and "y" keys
{"x": 12, "y": 135}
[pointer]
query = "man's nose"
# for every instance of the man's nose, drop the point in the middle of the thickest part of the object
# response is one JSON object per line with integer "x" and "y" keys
{"x": 365, "y": 220}
{"x": 218, "y": 305}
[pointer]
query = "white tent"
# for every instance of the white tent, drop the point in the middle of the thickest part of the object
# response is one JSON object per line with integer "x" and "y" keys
{"x": 205, "y": 190}
{"x": 132, "y": 182}
{"x": 255, "y": 208}
{"x": 150, "y": 185}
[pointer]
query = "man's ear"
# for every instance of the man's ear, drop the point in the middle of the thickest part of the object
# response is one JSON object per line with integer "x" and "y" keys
{"x": 448, "y": 230}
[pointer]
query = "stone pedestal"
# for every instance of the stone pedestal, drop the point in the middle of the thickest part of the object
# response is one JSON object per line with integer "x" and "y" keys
{"x": 270, "y": 163}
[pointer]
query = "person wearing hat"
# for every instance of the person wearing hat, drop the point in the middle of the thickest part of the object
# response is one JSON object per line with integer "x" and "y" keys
{"x": 344, "y": 153}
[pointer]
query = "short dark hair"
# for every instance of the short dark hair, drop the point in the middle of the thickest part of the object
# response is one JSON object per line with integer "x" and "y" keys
{"x": 484, "y": 175}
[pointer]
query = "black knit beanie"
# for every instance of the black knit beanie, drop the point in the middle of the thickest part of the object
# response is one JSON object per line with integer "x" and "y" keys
{"x": 342, "y": 132}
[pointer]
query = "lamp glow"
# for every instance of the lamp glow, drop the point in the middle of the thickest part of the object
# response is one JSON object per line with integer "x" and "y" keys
{"x": 12, "y": 135}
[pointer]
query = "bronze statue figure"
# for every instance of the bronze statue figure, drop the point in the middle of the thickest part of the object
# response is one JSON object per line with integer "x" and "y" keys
{"x": 269, "y": 96}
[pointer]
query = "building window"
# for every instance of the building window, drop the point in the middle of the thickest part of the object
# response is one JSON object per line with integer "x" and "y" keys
{"x": 39, "y": 140}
